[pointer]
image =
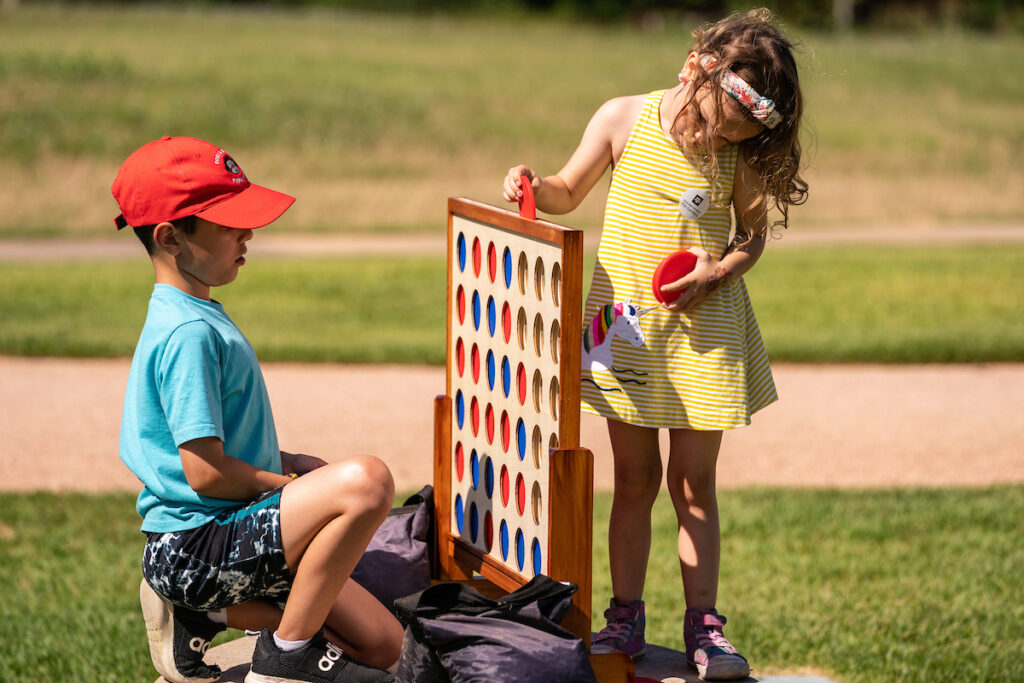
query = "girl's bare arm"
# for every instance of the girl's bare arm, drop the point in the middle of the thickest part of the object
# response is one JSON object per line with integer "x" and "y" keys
{"x": 602, "y": 143}
{"x": 751, "y": 221}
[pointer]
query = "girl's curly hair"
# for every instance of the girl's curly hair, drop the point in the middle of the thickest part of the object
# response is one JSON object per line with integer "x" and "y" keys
{"x": 754, "y": 48}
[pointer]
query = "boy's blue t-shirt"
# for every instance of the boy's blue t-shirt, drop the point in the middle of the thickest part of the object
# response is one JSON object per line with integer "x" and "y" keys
{"x": 193, "y": 375}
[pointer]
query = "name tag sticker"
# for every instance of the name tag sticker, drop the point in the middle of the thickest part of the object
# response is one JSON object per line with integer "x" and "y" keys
{"x": 694, "y": 203}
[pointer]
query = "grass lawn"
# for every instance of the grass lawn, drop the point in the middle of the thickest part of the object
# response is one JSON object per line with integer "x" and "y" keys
{"x": 817, "y": 304}
{"x": 373, "y": 119}
{"x": 908, "y": 585}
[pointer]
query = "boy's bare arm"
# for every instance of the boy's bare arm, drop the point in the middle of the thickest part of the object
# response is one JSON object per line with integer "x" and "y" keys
{"x": 212, "y": 472}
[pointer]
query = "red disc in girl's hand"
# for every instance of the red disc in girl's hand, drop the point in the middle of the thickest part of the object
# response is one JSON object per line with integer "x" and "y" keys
{"x": 673, "y": 267}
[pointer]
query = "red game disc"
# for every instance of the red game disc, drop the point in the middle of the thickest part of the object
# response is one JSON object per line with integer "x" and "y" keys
{"x": 459, "y": 457}
{"x": 673, "y": 267}
{"x": 489, "y": 420}
{"x": 504, "y": 485}
{"x": 460, "y": 356}
{"x": 520, "y": 494}
{"x": 506, "y": 431}
{"x": 521, "y": 381}
{"x": 488, "y": 531}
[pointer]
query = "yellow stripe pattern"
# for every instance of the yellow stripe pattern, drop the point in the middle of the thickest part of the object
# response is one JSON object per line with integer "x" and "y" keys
{"x": 705, "y": 369}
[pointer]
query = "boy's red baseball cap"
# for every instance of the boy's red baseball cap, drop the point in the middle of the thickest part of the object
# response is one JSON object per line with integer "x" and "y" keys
{"x": 174, "y": 177}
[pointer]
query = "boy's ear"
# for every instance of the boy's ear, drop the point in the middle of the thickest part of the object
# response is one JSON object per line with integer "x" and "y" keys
{"x": 166, "y": 239}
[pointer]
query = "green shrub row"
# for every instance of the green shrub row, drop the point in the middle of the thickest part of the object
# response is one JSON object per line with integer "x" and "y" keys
{"x": 899, "y": 15}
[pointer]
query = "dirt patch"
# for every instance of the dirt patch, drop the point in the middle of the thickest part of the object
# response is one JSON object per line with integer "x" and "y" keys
{"x": 844, "y": 426}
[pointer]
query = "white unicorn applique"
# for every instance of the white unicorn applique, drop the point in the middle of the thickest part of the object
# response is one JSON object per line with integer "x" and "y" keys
{"x": 612, "y": 320}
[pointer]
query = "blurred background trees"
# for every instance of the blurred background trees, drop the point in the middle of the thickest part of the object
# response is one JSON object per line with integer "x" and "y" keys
{"x": 840, "y": 15}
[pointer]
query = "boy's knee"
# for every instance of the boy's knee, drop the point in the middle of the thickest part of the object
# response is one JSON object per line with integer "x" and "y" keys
{"x": 367, "y": 482}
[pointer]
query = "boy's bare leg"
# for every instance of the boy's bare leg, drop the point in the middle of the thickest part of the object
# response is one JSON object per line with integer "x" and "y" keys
{"x": 364, "y": 628}
{"x": 637, "y": 481}
{"x": 254, "y": 616}
{"x": 693, "y": 457}
{"x": 328, "y": 517}
{"x": 355, "y": 612}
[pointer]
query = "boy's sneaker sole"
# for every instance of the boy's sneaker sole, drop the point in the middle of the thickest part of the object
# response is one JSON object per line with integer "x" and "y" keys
{"x": 159, "y": 618}
{"x": 318, "y": 661}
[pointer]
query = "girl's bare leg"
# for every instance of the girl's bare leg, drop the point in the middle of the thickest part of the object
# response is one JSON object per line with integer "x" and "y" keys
{"x": 637, "y": 481}
{"x": 693, "y": 456}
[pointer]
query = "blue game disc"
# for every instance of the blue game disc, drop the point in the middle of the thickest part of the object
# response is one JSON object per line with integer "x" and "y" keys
{"x": 536, "y": 557}
{"x": 506, "y": 376}
{"x": 520, "y": 549}
{"x": 474, "y": 468}
{"x": 474, "y": 522}
{"x": 458, "y": 512}
{"x": 492, "y": 316}
{"x": 504, "y": 540}
{"x": 521, "y": 438}
{"x": 489, "y": 477}
{"x": 461, "y": 245}
{"x": 476, "y": 310}
{"x": 491, "y": 370}
{"x": 506, "y": 260}
{"x": 460, "y": 408}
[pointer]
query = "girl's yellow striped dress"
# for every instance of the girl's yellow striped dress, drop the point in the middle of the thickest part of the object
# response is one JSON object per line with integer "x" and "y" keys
{"x": 702, "y": 369}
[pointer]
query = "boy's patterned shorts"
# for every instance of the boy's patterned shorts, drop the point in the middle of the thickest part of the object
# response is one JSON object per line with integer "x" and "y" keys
{"x": 233, "y": 559}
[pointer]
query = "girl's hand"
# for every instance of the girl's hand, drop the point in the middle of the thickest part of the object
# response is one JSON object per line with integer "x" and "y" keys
{"x": 707, "y": 276}
{"x": 299, "y": 463}
{"x": 511, "y": 187}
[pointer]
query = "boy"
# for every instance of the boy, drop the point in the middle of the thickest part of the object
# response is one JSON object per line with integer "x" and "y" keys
{"x": 233, "y": 532}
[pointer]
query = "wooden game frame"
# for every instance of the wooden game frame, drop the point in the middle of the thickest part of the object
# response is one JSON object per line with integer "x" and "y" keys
{"x": 570, "y": 497}
{"x": 571, "y": 468}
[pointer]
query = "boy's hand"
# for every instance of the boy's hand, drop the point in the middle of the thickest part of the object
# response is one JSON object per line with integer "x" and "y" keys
{"x": 299, "y": 463}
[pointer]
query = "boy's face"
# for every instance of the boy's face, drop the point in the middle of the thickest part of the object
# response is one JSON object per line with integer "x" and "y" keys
{"x": 213, "y": 254}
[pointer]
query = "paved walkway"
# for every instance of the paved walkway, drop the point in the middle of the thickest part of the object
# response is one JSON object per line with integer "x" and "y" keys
{"x": 835, "y": 425}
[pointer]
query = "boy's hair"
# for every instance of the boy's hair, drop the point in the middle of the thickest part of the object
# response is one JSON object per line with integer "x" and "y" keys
{"x": 755, "y": 49}
{"x": 145, "y": 232}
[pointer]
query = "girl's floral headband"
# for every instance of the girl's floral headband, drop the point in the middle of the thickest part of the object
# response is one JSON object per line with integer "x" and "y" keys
{"x": 762, "y": 108}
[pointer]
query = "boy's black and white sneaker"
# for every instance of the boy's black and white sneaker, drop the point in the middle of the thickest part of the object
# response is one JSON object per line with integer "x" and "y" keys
{"x": 319, "y": 661}
{"x": 178, "y": 639}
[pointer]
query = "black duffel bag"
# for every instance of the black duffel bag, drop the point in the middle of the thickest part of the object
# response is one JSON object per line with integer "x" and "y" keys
{"x": 454, "y": 634}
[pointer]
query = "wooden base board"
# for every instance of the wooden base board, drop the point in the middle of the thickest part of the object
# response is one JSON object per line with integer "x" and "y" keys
{"x": 613, "y": 668}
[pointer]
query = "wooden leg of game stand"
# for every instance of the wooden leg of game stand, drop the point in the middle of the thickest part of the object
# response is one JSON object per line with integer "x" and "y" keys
{"x": 443, "y": 491}
{"x": 571, "y": 548}
{"x": 571, "y": 541}
{"x": 613, "y": 668}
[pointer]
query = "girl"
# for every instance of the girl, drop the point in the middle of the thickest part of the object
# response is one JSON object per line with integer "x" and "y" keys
{"x": 725, "y": 136}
